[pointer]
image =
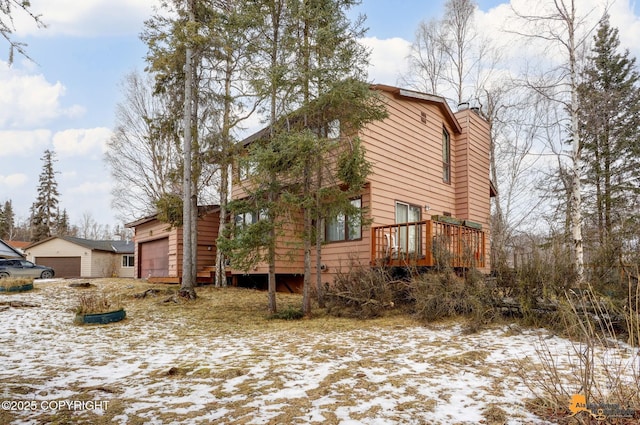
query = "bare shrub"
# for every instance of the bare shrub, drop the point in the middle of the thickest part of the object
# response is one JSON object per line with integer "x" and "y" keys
{"x": 601, "y": 367}
{"x": 442, "y": 295}
{"x": 361, "y": 292}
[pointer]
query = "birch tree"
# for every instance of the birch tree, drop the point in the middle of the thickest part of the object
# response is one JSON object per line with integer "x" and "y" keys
{"x": 558, "y": 25}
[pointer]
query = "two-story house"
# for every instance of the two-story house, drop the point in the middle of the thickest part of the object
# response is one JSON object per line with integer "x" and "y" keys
{"x": 428, "y": 195}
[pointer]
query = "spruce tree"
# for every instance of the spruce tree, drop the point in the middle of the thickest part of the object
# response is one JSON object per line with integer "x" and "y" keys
{"x": 62, "y": 226}
{"x": 7, "y": 220}
{"x": 44, "y": 211}
{"x": 610, "y": 121}
{"x": 312, "y": 85}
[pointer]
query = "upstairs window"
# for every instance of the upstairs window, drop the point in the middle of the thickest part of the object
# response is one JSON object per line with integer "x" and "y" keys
{"x": 330, "y": 130}
{"x": 333, "y": 129}
{"x": 246, "y": 169}
{"x": 446, "y": 156}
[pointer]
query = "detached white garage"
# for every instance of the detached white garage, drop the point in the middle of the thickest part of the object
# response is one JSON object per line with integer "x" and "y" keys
{"x": 77, "y": 257}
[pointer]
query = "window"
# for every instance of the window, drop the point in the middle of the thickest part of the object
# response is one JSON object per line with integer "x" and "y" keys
{"x": 345, "y": 228}
{"x": 333, "y": 129}
{"x": 127, "y": 260}
{"x": 446, "y": 156}
{"x": 244, "y": 219}
{"x": 409, "y": 235}
{"x": 246, "y": 168}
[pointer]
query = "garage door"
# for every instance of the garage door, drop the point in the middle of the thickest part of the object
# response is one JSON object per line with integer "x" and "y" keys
{"x": 154, "y": 258}
{"x": 63, "y": 266}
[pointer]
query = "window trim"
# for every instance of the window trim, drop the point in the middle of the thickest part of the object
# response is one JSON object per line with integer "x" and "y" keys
{"x": 347, "y": 226}
{"x": 125, "y": 261}
{"x": 446, "y": 156}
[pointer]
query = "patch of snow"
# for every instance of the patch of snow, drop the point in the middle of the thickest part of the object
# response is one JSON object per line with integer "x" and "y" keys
{"x": 412, "y": 375}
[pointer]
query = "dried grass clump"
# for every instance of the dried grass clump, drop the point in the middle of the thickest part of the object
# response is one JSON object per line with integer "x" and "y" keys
{"x": 14, "y": 282}
{"x": 96, "y": 302}
{"x": 361, "y": 292}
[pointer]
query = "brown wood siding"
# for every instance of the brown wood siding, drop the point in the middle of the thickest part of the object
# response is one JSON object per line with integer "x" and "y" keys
{"x": 406, "y": 154}
{"x": 289, "y": 252}
{"x": 476, "y": 206}
{"x": 407, "y": 158}
{"x": 62, "y": 266}
{"x": 339, "y": 256}
{"x": 208, "y": 227}
{"x": 207, "y": 238}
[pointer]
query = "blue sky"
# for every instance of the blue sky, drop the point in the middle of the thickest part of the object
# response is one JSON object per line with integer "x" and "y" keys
{"x": 66, "y": 100}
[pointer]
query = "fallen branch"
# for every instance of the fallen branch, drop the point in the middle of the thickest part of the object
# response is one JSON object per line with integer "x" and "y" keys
{"x": 17, "y": 304}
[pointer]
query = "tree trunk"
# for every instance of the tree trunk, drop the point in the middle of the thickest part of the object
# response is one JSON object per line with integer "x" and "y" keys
{"x": 576, "y": 189}
{"x": 187, "y": 286}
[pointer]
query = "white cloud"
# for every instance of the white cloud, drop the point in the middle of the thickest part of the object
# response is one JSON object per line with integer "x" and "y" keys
{"x": 503, "y": 26}
{"x": 91, "y": 188}
{"x": 85, "y": 18}
{"x": 81, "y": 142}
{"x": 24, "y": 143}
{"x": 28, "y": 100}
{"x": 388, "y": 59}
{"x": 13, "y": 181}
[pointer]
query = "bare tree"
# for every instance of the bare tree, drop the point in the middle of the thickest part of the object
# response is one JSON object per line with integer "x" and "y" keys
{"x": 558, "y": 25}
{"x": 517, "y": 134}
{"x": 427, "y": 58}
{"x": 89, "y": 228}
{"x": 141, "y": 155}
{"x": 460, "y": 34}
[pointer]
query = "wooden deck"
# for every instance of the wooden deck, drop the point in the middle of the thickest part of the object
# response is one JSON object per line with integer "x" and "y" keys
{"x": 428, "y": 243}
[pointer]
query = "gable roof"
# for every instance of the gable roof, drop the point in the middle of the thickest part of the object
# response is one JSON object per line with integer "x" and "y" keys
{"x": 398, "y": 92}
{"x": 7, "y": 251}
{"x": 115, "y": 246}
{"x": 202, "y": 210}
{"x": 439, "y": 101}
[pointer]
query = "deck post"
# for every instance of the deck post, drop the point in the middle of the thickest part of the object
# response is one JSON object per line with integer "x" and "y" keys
{"x": 428, "y": 255}
{"x": 374, "y": 250}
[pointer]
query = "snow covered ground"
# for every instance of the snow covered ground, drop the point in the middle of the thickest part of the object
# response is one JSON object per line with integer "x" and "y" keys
{"x": 157, "y": 367}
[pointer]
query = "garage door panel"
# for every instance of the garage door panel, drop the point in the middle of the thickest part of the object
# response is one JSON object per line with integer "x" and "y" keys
{"x": 154, "y": 258}
{"x": 63, "y": 266}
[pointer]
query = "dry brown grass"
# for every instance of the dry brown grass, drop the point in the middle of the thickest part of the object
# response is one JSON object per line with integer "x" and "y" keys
{"x": 12, "y": 282}
{"x": 226, "y": 345}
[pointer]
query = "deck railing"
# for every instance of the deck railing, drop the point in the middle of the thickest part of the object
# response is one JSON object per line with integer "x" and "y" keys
{"x": 428, "y": 243}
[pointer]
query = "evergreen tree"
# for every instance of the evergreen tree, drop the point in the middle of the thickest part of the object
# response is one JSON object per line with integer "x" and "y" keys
{"x": 44, "y": 211}
{"x": 610, "y": 122}
{"x": 4, "y": 228}
{"x": 7, "y": 220}
{"x": 62, "y": 226}
{"x": 317, "y": 69}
